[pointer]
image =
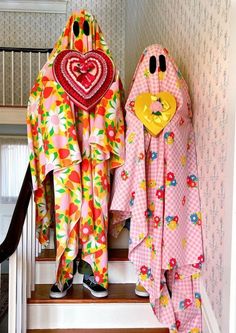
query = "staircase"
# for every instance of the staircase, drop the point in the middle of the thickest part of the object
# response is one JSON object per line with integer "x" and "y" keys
{"x": 79, "y": 311}
{"x": 32, "y": 269}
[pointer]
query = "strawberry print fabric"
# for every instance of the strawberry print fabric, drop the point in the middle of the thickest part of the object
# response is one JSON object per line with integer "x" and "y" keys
{"x": 79, "y": 148}
{"x": 157, "y": 188}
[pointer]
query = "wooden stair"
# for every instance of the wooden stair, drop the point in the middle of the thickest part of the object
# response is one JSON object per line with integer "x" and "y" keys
{"x": 121, "y": 311}
{"x": 118, "y": 293}
{"x": 113, "y": 255}
{"x": 108, "y": 330}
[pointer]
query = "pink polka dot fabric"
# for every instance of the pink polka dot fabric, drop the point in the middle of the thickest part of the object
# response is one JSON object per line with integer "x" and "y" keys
{"x": 157, "y": 188}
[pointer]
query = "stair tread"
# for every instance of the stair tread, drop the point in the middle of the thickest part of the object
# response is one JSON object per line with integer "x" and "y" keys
{"x": 102, "y": 330}
{"x": 118, "y": 293}
{"x": 113, "y": 255}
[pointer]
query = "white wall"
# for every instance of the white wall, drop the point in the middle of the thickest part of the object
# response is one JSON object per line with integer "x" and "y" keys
{"x": 197, "y": 34}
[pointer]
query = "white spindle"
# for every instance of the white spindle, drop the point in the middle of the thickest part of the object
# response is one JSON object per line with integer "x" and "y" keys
{"x": 24, "y": 278}
{"x": 12, "y": 294}
{"x": 12, "y": 77}
{"x": 30, "y": 69}
{"x": 32, "y": 226}
{"x": 21, "y": 78}
{"x": 3, "y": 78}
{"x": 30, "y": 246}
{"x": 19, "y": 285}
{"x": 39, "y": 61}
{"x": 47, "y": 55}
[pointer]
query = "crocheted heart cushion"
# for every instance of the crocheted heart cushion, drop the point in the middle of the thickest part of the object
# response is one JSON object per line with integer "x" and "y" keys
{"x": 85, "y": 77}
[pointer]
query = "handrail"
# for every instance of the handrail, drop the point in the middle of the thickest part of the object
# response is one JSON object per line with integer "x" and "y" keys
{"x": 11, "y": 241}
{"x": 25, "y": 49}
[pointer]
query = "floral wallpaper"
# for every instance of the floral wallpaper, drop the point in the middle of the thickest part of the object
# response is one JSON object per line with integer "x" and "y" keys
{"x": 197, "y": 35}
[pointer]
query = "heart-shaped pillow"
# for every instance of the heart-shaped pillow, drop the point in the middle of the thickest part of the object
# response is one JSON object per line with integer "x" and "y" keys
{"x": 85, "y": 77}
{"x": 155, "y": 111}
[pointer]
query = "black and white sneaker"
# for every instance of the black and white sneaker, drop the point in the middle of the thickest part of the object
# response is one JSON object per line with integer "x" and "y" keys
{"x": 95, "y": 289}
{"x": 57, "y": 293}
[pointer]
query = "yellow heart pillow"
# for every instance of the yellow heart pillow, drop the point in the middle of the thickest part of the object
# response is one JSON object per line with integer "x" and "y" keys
{"x": 155, "y": 111}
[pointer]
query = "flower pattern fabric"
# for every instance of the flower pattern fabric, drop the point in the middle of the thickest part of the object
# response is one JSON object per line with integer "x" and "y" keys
{"x": 157, "y": 189}
{"x": 79, "y": 149}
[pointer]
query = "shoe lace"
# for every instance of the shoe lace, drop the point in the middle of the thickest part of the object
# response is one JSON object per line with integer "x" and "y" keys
{"x": 92, "y": 279}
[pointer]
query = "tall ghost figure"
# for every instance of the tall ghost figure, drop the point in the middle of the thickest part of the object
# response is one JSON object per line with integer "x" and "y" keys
{"x": 157, "y": 188}
{"x": 76, "y": 136}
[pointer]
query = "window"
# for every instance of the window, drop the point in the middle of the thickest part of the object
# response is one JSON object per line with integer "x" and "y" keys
{"x": 14, "y": 158}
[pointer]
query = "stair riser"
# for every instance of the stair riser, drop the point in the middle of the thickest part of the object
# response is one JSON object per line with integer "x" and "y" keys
{"x": 111, "y": 315}
{"x": 119, "y": 272}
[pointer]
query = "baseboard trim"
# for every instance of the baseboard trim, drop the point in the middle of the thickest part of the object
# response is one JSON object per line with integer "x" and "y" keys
{"x": 208, "y": 313}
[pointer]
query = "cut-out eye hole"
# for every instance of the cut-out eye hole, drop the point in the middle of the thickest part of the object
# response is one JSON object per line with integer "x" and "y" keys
{"x": 76, "y": 28}
{"x": 152, "y": 64}
{"x": 86, "y": 28}
{"x": 162, "y": 62}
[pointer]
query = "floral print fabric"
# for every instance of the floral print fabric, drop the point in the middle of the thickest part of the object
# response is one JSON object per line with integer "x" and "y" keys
{"x": 79, "y": 148}
{"x": 157, "y": 188}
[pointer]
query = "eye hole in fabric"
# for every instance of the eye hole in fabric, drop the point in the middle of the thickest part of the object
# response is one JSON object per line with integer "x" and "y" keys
{"x": 162, "y": 62}
{"x": 152, "y": 64}
{"x": 86, "y": 28}
{"x": 76, "y": 28}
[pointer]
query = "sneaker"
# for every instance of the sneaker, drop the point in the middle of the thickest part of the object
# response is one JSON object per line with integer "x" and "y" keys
{"x": 141, "y": 291}
{"x": 95, "y": 289}
{"x": 57, "y": 293}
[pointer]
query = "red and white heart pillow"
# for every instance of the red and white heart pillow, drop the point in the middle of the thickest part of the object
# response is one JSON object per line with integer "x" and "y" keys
{"x": 84, "y": 77}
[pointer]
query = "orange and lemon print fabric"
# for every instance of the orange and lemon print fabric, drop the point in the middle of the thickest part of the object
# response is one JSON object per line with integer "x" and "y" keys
{"x": 72, "y": 152}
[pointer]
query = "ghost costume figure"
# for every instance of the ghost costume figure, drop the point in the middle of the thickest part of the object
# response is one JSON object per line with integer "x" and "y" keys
{"x": 157, "y": 188}
{"x": 76, "y": 135}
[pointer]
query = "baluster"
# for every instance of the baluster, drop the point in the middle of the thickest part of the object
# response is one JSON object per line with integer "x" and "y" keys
{"x": 12, "y": 77}
{"x": 21, "y": 78}
{"x": 30, "y": 246}
{"x": 24, "y": 277}
{"x": 30, "y": 69}
{"x": 32, "y": 223}
{"x": 39, "y": 61}
{"x": 12, "y": 294}
{"x": 3, "y": 79}
{"x": 19, "y": 287}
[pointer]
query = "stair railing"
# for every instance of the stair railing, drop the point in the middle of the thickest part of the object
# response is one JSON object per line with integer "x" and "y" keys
{"x": 18, "y": 70}
{"x": 19, "y": 247}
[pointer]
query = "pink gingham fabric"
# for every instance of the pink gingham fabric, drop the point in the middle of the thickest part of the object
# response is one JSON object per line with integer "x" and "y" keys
{"x": 157, "y": 188}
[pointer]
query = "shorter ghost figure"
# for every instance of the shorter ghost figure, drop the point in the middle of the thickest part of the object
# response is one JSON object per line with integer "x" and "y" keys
{"x": 157, "y": 188}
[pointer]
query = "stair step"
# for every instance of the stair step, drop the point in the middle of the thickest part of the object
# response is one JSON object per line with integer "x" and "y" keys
{"x": 122, "y": 309}
{"x": 120, "y": 269}
{"x": 109, "y": 330}
{"x": 113, "y": 255}
{"x": 118, "y": 293}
